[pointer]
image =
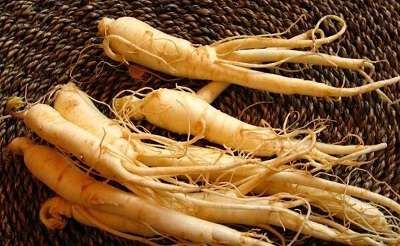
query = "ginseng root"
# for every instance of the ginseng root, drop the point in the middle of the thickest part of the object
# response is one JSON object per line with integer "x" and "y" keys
{"x": 76, "y": 106}
{"x": 194, "y": 116}
{"x": 128, "y": 39}
{"x": 59, "y": 173}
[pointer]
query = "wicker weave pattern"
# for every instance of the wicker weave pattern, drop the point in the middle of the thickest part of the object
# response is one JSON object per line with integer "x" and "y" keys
{"x": 40, "y": 41}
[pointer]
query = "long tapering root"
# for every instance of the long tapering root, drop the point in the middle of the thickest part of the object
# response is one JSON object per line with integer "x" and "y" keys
{"x": 230, "y": 188}
{"x": 254, "y": 42}
{"x": 258, "y": 141}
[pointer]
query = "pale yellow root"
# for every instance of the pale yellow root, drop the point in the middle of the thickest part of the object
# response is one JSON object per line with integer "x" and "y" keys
{"x": 58, "y": 173}
{"x": 198, "y": 117}
{"x": 110, "y": 160}
{"x": 336, "y": 204}
{"x": 75, "y": 106}
{"x": 213, "y": 89}
{"x": 274, "y": 167}
{"x": 319, "y": 183}
{"x": 63, "y": 100}
{"x": 256, "y": 56}
{"x": 130, "y": 40}
{"x": 55, "y": 211}
{"x": 339, "y": 205}
{"x": 85, "y": 115}
{"x": 291, "y": 221}
{"x": 69, "y": 98}
{"x": 254, "y": 42}
{"x": 231, "y": 210}
{"x": 289, "y": 86}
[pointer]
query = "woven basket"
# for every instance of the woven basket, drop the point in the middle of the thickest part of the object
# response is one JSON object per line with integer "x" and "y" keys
{"x": 41, "y": 41}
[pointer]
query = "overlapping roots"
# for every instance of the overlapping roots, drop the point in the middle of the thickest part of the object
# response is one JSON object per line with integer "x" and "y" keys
{"x": 216, "y": 182}
{"x": 320, "y": 156}
{"x": 227, "y": 186}
{"x": 219, "y": 179}
{"x": 242, "y": 51}
{"x": 209, "y": 181}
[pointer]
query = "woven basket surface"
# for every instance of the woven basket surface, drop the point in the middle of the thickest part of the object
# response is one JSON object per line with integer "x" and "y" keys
{"x": 41, "y": 41}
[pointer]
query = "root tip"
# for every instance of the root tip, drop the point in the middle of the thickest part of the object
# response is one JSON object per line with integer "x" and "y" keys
{"x": 50, "y": 214}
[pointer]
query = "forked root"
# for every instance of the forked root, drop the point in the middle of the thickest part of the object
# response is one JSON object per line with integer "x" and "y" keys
{"x": 177, "y": 57}
{"x": 256, "y": 56}
{"x": 109, "y": 160}
{"x": 166, "y": 153}
{"x": 213, "y": 89}
{"x": 339, "y": 205}
{"x": 254, "y": 42}
{"x": 198, "y": 116}
{"x": 59, "y": 172}
{"x": 319, "y": 183}
{"x": 222, "y": 210}
{"x": 281, "y": 84}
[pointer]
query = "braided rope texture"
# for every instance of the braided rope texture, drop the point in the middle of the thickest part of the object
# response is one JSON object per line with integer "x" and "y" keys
{"x": 41, "y": 42}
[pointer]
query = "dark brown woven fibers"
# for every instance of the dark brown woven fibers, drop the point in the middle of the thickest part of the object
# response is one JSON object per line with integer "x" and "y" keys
{"x": 41, "y": 40}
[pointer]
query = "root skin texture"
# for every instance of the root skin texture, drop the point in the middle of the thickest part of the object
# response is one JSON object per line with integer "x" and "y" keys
{"x": 76, "y": 107}
{"x": 307, "y": 180}
{"x": 130, "y": 40}
{"x": 108, "y": 159}
{"x": 58, "y": 173}
{"x": 199, "y": 118}
{"x": 54, "y": 211}
{"x": 341, "y": 206}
